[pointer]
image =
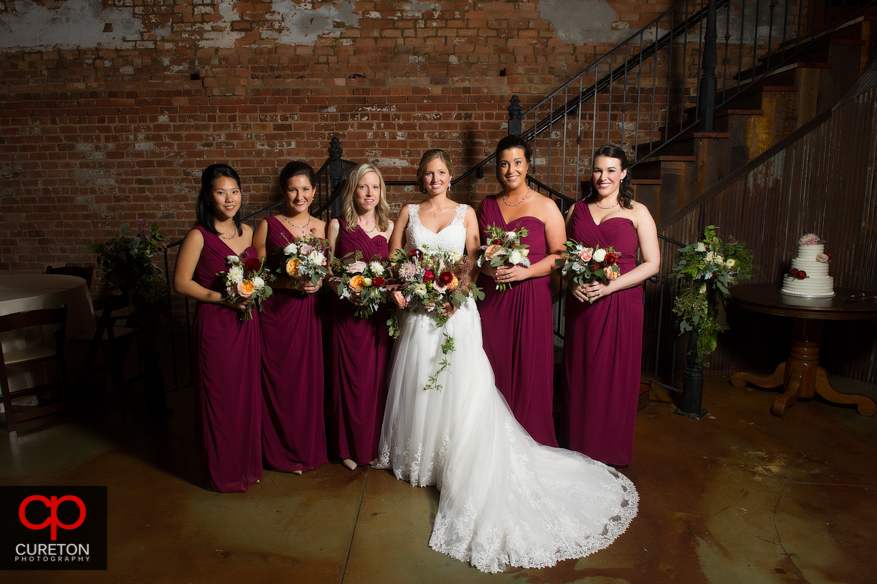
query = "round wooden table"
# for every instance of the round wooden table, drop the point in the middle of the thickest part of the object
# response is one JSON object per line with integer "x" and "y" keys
{"x": 800, "y": 375}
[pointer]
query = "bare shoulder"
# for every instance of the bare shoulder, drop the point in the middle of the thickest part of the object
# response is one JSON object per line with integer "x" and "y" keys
{"x": 548, "y": 208}
{"x": 247, "y": 229}
{"x": 641, "y": 214}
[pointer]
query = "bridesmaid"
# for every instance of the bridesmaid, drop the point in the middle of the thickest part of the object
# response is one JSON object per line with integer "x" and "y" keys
{"x": 517, "y": 323}
{"x": 603, "y": 341}
{"x": 293, "y": 429}
{"x": 226, "y": 350}
{"x": 360, "y": 347}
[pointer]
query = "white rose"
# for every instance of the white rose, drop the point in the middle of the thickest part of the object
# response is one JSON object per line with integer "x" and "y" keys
{"x": 376, "y": 268}
{"x": 509, "y": 235}
{"x": 731, "y": 263}
{"x": 700, "y": 247}
{"x": 258, "y": 283}
{"x": 236, "y": 275}
{"x": 525, "y": 252}
{"x": 456, "y": 256}
{"x": 420, "y": 290}
{"x": 366, "y": 282}
{"x": 316, "y": 258}
{"x": 290, "y": 249}
{"x": 233, "y": 260}
{"x": 515, "y": 258}
{"x": 599, "y": 255}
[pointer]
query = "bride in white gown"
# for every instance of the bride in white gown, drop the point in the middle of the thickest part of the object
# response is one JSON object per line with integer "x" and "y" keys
{"x": 504, "y": 499}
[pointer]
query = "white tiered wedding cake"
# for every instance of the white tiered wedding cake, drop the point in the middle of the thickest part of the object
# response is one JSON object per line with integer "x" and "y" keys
{"x": 809, "y": 273}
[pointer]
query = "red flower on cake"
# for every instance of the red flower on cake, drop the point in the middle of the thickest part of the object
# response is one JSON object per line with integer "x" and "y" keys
{"x": 801, "y": 274}
{"x": 793, "y": 273}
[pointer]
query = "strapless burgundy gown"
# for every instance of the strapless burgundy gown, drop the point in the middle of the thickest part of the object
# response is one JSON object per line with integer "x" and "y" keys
{"x": 360, "y": 353}
{"x": 293, "y": 427}
{"x": 518, "y": 333}
{"x": 226, "y": 370}
{"x": 602, "y": 350}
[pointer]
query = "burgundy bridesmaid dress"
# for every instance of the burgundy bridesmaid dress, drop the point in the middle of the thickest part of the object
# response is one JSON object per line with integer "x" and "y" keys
{"x": 517, "y": 328}
{"x": 360, "y": 353}
{"x": 293, "y": 427}
{"x": 226, "y": 355}
{"x": 602, "y": 350}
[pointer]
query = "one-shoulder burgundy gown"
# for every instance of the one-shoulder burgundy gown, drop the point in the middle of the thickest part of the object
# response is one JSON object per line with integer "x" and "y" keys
{"x": 226, "y": 368}
{"x": 602, "y": 350}
{"x": 360, "y": 353}
{"x": 293, "y": 427}
{"x": 518, "y": 334}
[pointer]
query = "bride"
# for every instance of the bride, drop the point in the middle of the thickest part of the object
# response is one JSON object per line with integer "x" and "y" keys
{"x": 504, "y": 499}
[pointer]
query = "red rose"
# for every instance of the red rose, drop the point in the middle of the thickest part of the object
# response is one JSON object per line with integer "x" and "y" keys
{"x": 496, "y": 242}
{"x": 428, "y": 276}
{"x": 446, "y": 278}
{"x": 793, "y": 273}
{"x": 801, "y": 274}
{"x": 253, "y": 264}
{"x": 378, "y": 281}
{"x": 829, "y": 256}
{"x": 415, "y": 253}
{"x": 611, "y": 258}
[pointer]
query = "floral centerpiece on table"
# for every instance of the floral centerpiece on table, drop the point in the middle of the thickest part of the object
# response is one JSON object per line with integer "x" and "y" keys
{"x": 705, "y": 271}
{"x": 247, "y": 278}
{"x": 428, "y": 281}
{"x": 366, "y": 279}
{"x": 503, "y": 248}
{"x": 583, "y": 264}
{"x": 305, "y": 259}
{"x": 127, "y": 268}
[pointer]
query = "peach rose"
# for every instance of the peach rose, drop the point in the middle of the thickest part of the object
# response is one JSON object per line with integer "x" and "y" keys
{"x": 491, "y": 251}
{"x": 292, "y": 267}
{"x": 452, "y": 285}
{"x": 610, "y": 274}
{"x": 357, "y": 283}
{"x": 245, "y": 289}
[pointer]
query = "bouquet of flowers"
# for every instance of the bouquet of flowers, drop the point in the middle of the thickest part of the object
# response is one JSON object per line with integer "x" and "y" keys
{"x": 705, "y": 270}
{"x": 504, "y": 248}
{"x": 429, "y": 281}
{"x": 305, "y": 259}
{"x": 588, "y": 263}
{"x": 367, "y": 279}
{"x": 247, "y": 278}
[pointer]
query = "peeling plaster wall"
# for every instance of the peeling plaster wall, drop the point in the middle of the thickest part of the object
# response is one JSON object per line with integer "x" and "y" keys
{"x": 584, "y": 21}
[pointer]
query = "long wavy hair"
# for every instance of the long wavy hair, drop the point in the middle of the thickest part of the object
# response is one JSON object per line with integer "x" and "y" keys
{"x": 204, "y": 216}
{"x": 625, "y": 191}
{"x": 428, "y": 157}
{"x": 348, "y": 206}
{"x": 508, "y": 143}
{"x": 295, "y": 168}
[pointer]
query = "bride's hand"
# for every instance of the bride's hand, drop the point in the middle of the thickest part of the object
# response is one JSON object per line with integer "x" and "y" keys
{"x": 449, "y": 310}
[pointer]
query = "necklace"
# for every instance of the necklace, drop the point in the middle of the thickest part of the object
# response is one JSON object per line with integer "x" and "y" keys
{"x": 221, "y": 236}
{"x": 609, "y": 207}
{"x": 519, "y": 202}
{"x": 435, "y": 212}
{"x": 296, "y": 226}
{"x": 361, "y": 226}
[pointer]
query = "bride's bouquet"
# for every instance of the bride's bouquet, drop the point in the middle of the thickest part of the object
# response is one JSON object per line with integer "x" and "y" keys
{"x": 366, "y": 279}
{"x": 504, "y": 248}
{"x": 247, "y": 278}
{"x": 585, "y": 264}
{"x": 305, "y": 259}
{"x": 429, "y": 281}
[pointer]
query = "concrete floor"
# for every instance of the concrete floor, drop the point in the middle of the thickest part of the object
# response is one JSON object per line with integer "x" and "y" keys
{"x": 738, "y": 497}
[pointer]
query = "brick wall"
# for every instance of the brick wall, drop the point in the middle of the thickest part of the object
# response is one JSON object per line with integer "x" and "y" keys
{"x": 110, "y": 118}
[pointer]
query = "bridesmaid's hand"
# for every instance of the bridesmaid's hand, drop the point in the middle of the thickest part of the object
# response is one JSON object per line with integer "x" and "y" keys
{"x": 356, "y": 299}
{"x": 509, "y": 274}
{"x": 240, "y": 305}
{"x": 309, "y": 288}
{"x": 595, "y": 290}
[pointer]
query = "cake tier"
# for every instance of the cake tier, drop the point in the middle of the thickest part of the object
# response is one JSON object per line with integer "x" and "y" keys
{"x": 813, "y": 269}
{"x": 809, "y": 252}
{"x": 808, "y": 286}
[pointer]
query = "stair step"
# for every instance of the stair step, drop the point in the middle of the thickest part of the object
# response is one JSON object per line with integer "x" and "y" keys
{"x": 646, "y": 181}
{"x": 739, "y": 112}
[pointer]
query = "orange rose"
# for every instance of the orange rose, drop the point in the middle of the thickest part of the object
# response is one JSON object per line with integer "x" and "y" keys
{"x": 357, "y": 283}
{"x": 452, "y": 285}
{"x": 245, "y": 289}
{"x": 610, "y": 274}
{"x": 292, "y": 267}
{"x": 490, "y": 251}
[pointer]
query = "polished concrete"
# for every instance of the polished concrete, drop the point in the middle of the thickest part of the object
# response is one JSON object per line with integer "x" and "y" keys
{"x": 738, "y": 497}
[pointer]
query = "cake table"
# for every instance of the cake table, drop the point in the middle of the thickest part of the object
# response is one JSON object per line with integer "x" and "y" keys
{"x": 800, "y": 375}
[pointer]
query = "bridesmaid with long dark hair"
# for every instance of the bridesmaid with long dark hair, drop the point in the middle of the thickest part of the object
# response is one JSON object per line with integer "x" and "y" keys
{"x": 360, "y": 346}
{"x": 603, "y": 340}
{"x": 293, "y": 428}
{"x": 226, "y": 350}
{"x": 517, "y": 323}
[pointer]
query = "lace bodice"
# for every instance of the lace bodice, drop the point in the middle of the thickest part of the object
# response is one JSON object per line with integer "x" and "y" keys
{"x": 452, "y": 238}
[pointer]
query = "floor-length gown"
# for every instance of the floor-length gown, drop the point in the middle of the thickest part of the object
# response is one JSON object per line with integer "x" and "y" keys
{"x": 226, "y": 367}
{"x": 360, "y": 353}
{"x": 602, "y": 350}
{"x": 517, "y": 327}
{"x": 504, "y": 499}
{"x": 293, "y": 427}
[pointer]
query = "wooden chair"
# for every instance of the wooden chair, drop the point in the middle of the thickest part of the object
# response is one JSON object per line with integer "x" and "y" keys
{"x": 37, "y": 354}
{"x": 85, "y": 273}
{"x": 114, "y": 342}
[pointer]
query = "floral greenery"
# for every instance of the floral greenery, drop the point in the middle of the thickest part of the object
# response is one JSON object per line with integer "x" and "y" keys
{"x": 127, "y": 268}
{"x": 706, "y": 269}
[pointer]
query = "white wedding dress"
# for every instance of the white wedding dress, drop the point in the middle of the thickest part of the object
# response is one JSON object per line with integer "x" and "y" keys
{"x": 504, "y": 499}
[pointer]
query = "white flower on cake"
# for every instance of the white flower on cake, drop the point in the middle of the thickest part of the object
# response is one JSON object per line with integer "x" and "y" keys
{"x": 810, "y": 239}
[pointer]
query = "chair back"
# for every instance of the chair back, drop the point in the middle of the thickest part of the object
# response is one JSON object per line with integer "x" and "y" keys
{"x": 85, "y": 273}
{"x": 29, "y": 318}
